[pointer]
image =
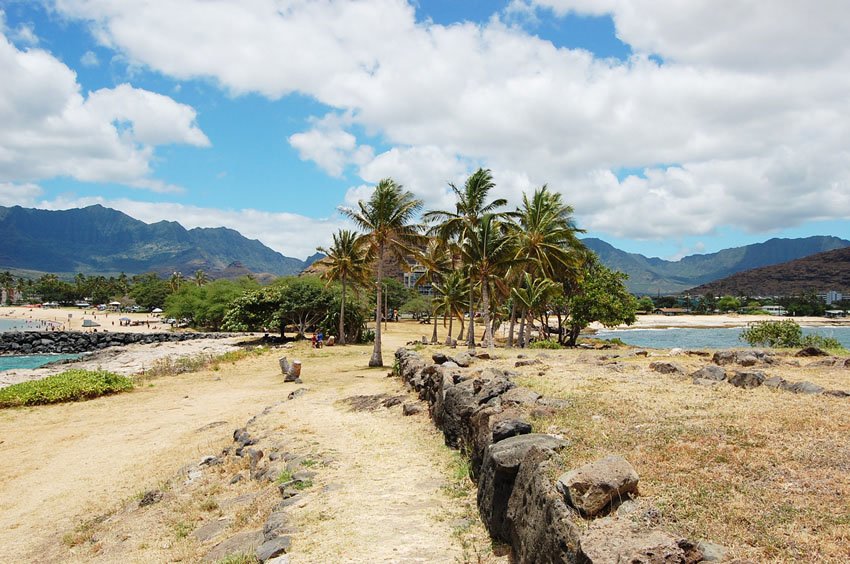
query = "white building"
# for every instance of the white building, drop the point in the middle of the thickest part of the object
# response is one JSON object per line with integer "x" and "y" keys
{"x": 832, "y": 297}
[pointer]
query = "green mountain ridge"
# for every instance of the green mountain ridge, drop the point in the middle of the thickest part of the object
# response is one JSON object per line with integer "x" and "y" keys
{"x": 658, "y": 276}
{"x": 99, "y": 240}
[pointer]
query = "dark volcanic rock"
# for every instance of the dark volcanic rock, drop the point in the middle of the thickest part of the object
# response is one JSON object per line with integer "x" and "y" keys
{"x": 747, "y": 379}
{"x": 592, "y": 487}
{"x": 542, "y": 528}
{"x": 498, "y": 472}
{"x": 510, "y": 428}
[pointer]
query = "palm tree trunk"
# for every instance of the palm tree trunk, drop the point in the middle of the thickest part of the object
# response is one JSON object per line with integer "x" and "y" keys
{"x": 434, "y": 334}
{"x": 462, "y": 325}
{"x": 522, "y": 329}
{"x": 449, "y": 334}
{"x": 377, "y": 359}
{"x": 470, "y": 336}
{"x": 485, "y": 297}
{"x": 342, "y": 315}
{"x": 512, "y": 324}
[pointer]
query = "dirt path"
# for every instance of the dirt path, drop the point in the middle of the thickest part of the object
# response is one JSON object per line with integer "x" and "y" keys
{"x": 385, "y": 502}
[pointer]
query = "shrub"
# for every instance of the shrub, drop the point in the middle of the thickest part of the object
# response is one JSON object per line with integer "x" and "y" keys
{"x": 71, "y": 385}
{"x": 785, "y": 333}
{"x": 545, "y": 344}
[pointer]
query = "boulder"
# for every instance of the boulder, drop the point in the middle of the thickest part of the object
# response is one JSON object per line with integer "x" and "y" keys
{"x": 527, "y": 362}
{"x": 542, "y": 528}
{"x": 610, "y": 540}
{"x": 462, "y": 359}
{"x": 812, "y": 351}
{"x": 519, "y": 395}
{"x": 272, "y": 548}
{"x": 498, "y": 472}
{"x": 241, "y": 543}
{"x": 457, "y": 407}
{"x": 439, "y": 358}
{"x": 593, "y": 487}
{"x": 747, "y": 379}
{"x": 710, "y": 372}
{"x": 665, "y": 367}
{"x": 807, "y": 388}
{"x": 411, "y": 409}
{"x": 510, "y": 428}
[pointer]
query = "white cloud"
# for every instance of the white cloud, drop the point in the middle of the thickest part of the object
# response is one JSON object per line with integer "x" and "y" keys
{"x": 50, "y": 129}
{"x": 19, "y": 194}
{"x": 291, "y": 234}
{"x": 749, "y": 108}
{"x": 25, "y": 34}
{"x": 89, "y": 59}
{"x": 330, "y": 146}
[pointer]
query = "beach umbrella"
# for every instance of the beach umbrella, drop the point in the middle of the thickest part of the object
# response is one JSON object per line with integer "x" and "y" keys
{"x": 124, "y": 319}
{"x": 156, "y": 310}
{"x": 115, "y": 303}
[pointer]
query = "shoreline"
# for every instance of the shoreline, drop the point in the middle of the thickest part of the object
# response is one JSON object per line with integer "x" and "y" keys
{"x": 724, "y": 321}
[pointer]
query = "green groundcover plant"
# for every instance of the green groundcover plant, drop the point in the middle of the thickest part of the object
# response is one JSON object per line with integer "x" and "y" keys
{"x": 71, "y": 385}
{"x": 786, "y": 333}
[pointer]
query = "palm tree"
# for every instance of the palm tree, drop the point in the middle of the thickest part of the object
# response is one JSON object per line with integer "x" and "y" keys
{"x": 436, "y": 261}
{"x": 387, "y": 220}
{"x": 451, "y": 295}
{"x": 7, "y": 283}
{"x": 347, "y": 260}
{"x": 455, "y": 227}
{"x": 487, "y": 254}
{"x": 532, "y": 296}
{"x": 545, "y": 241}
{"x": 176, "y": 281}
{"x": 200, "y": 278}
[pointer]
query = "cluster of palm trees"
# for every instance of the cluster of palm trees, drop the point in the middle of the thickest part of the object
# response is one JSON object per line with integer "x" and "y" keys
{"x": 470, "y": 255}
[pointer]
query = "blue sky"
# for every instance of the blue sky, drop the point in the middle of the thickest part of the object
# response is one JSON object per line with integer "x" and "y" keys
{"x": 672, "y": 130}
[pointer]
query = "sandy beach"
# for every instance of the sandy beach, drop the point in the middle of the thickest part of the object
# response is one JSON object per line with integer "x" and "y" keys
{"x": 654, "y": 321}
{"x": 72, "y": 318}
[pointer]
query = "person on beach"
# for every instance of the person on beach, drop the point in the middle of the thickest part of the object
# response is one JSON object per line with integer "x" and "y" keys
{"x": 320, "y": 338}
{"x": 313, "y": 340}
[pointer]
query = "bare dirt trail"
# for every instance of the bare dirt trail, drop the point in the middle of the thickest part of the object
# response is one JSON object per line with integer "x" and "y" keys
{"x": 385, "y": 502}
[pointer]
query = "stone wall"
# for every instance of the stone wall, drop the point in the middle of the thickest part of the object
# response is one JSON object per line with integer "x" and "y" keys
{"x": 526, "y": 496}
{"x": 73, "y": 342}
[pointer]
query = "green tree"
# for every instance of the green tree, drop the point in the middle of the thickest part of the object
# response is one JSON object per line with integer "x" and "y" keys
{"x": 204, "y": 307}
{"x": 645, "y": 303}
{"x": 451, "y": 295}
{"x": 7, "y": 283}
{"x": 348, "y": 261}
{"x": 487, "y": 254}
{"x": 533, "y": 296}
{"x": 200, "y": 278}
{"x": 600, "y": 295}
{"x": 454, "y": 227}
{"x": 728, "y": 303}
{"x": 437, "y": 262}
{"x": 387, "y": 220}
{"x": 149, "y": 291}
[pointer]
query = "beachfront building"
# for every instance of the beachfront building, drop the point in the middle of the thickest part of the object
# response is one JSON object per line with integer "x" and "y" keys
{"x": 831, "y": 297}
{"x": 774, "y": 309}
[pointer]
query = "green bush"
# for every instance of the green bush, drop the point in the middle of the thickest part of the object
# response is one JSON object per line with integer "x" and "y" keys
{"x": 72, "y": 385}
{"x": 785, "y": 333}
{"x": 545, "y": 344}
{"x": 821, "y": 342}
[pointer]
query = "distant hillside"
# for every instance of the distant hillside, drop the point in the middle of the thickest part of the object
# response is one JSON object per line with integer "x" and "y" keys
{"x": 655, "y": 275}
{"x": 99, "y": 240}
{"x": 817, "y": 273}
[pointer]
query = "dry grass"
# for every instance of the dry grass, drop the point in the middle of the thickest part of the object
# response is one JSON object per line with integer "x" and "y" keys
{"x": 762, "y": 471}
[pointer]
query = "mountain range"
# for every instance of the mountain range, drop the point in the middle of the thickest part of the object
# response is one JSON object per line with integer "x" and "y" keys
{"x": 658, "y": 276}
{"x": 99, "y": 240}
{"x": 816, "y": 273}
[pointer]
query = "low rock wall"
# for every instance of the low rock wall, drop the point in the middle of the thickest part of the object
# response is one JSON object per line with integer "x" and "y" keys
{"x": 586, "y": 515}
{"x": 74, "y": 342}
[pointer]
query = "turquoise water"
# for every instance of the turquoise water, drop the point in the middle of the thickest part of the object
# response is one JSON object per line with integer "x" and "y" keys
{"x": 704, "y": 338}
{"x": 31, "y": 360}
{"x": 21, "y": 325}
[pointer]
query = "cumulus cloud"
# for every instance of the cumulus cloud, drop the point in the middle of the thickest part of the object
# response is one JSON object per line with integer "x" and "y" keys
{"x": 19, "y": 194}
{"x": 89, "y": 59}
{"x": 290, "y": 234}
{"x": 50, "y": 129}
{"x": 744, "y": 123}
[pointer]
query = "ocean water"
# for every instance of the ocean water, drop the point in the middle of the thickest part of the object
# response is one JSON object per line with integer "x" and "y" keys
{"x": 692, "y": 338}
{"x": 31, "y": 360}
{"x": 28, "y": 360}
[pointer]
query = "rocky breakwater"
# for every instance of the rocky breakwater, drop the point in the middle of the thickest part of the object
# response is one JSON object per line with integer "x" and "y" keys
{"x": 75, "y": 342}
{"x": 529, "y": 496}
